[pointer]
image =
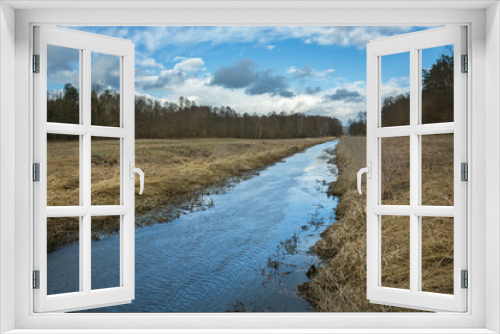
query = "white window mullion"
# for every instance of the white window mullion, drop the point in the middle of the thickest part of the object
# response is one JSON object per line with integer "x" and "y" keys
{"x": 81, "y": 232}
{"x": 433, "y": 129}
{"x": 414, "y": 172}
{"x": 127, "y": 101}
{"x": 373, "y": 264}
{"x": 416, "y": 118}
{"x": 393, "y": 131}
{"x": 86, "y": 159}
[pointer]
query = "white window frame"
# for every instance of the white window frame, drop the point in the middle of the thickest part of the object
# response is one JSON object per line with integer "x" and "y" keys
{"x": 85, "y": 44}
{"x": 413, "y": 44}
{"x": 484, "y": 308}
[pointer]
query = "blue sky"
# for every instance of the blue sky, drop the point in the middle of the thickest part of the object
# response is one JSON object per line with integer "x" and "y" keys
{"x": 314, "y": 70}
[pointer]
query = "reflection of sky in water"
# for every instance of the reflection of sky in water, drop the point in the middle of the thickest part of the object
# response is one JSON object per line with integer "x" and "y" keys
{"x": 251, "y": 247}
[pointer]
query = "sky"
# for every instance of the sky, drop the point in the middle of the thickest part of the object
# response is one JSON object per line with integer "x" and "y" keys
{"x": 309, "y": 69}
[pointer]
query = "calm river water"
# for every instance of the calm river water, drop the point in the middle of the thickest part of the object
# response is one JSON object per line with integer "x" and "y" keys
{"x": 247, "y": 252}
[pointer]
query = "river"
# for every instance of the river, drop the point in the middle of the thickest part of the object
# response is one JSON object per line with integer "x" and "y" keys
{"x": 246, "y": 252}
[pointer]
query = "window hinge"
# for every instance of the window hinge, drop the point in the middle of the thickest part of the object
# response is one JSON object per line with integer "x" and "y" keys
{"x": 465, "y": 279}
{"x": 36, "y": 172}
{"x": 464, "y": 167}
{"x": 465, "y": 63}
{"x": 36, "y": 279}
{"x": 36, "y": 63}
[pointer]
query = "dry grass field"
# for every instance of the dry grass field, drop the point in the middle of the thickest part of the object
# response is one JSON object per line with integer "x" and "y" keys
{"x": 177, "y": 172}
{"x": 340, "y": 286}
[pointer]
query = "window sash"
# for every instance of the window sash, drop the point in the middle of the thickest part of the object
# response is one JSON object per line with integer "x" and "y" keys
{"x": 413, "y": 43}
{"x": 87, "y": 43}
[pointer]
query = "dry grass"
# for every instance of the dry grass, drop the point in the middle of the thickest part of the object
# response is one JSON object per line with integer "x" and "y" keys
{"x": 177, "y": 172}
{"x": 340, "y": 286}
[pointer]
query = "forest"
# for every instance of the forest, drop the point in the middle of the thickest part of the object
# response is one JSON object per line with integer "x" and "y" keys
{"x": 186, "y": 119}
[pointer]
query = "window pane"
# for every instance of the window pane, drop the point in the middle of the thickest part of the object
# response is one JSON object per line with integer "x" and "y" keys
{"x": 105, "y": 255}
{"x": 395, "y": 171}
{"x": 395, "y": 89}
{"x": 105, "y": 102}
{"x": 63, "y": 263}
{"x": 63, "y": 170}
{"x": 63, "y": 84}
{"x": 105, "y": 171}
{"x": 437, "y": 170}
{"x": 437, "y": 84}
{"x": 437, "y": 254}
{"x": 395, "y": 251}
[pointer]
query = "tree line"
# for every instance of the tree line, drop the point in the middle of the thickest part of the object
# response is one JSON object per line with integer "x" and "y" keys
{"x": 186, "y": 119}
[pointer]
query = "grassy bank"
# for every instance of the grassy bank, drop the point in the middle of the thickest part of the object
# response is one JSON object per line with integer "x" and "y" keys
{"x": 340, "y": 286}
{"x": 178, "y": 173}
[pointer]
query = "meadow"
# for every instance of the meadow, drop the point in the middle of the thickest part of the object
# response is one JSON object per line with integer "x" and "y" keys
{"x": 178, "y": 173}
{"x": 340, "y": 285}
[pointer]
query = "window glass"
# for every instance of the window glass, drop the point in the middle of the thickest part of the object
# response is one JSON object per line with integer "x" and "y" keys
{"x": 395, "y": 89}
{"x": 63, "y": 170}
{"x": 105, "y": 103}
{"x": 395, "y": 184}
{"x": 105, "y": 171}
{"x": 437, "y": 254}
{"x": 63, "y": 85}
{"x": 437, "y": 84}
{"x": 63, "y": 264}
{"x": 437, "y": 169}
{"x": 105, "y": 255}
{"x": 395, "y": 252}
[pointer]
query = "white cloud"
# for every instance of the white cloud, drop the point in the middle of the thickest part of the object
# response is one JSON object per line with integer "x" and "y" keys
{"x": 344, "y": 100}
{"x": 190, "y": 65}
{"x": 200, "y": 90}
{"x": 270, "y": 47}
{"x": 64, "y": 76}
{"x": 150, "y": 62}
{"x": 154, "y": 38}
{"x": 187, "y": 67}
{"x": 395, "y": 86}
{"x": 106, "y": 71}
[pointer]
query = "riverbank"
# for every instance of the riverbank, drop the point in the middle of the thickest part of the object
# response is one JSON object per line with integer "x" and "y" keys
{"x": 340, "y": 285}
{"x": 178, "y": 174}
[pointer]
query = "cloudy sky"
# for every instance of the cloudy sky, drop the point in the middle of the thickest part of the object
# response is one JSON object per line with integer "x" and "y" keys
{"x": 313, "y": 70}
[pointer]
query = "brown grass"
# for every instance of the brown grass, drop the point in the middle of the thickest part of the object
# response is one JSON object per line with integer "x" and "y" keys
{"x": 340, "y": 286}
{"x": 177, "y": 172}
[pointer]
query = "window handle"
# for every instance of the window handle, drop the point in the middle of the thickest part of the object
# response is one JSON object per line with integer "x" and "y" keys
{"x": 133, "y": 171}
{"x": 368, "y": 171}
